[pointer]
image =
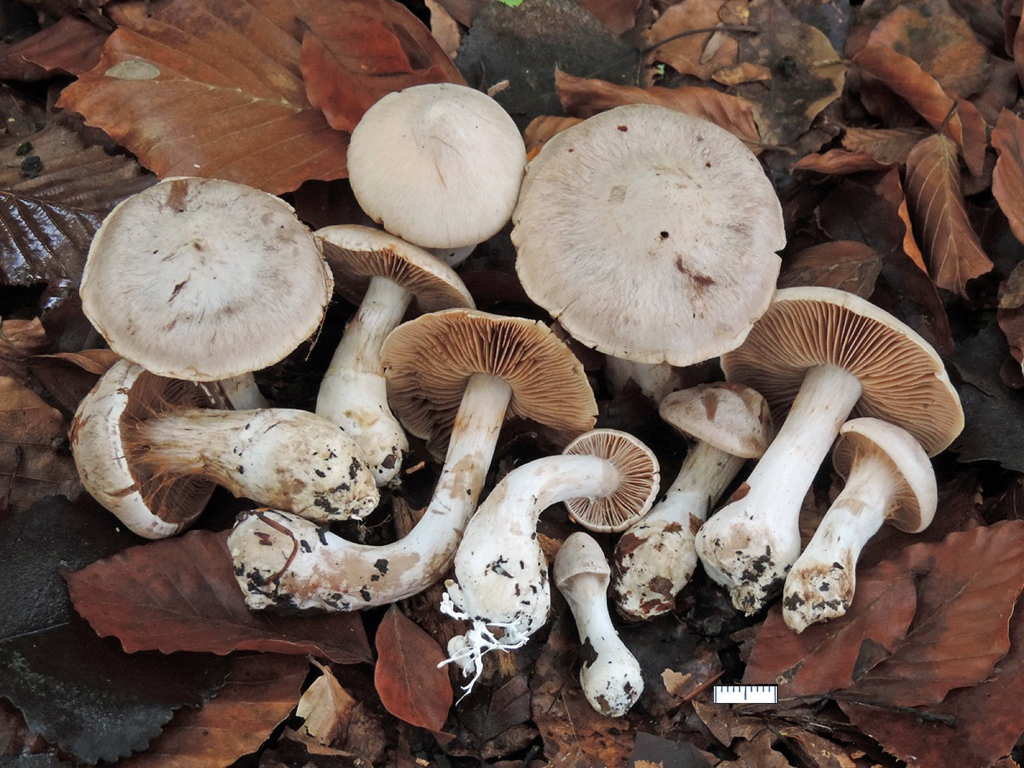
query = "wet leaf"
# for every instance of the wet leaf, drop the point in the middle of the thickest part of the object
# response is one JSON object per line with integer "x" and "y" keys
{"x": 69, "y": 46}
{"x": 407, "y": 678}
{"x": 236, "y": 64}
{"x": 844, "y": 264}
{"x": 80, "y": 692}
{"x": 937, "y": 210}
{"x": 692, "y": 55}
{"x": 967, "y": 587}
{"x": 180, "y": 594}
{"x": 358, "y": 51}
{"x": 584, "y": 98}
{"x": 68, "y": 376}
{"x": 19, "y": 340}
{"x": 1008, "y": 176}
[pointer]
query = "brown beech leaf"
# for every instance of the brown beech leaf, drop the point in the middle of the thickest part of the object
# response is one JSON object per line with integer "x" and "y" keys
{"x": 19, "y": 340}
{"x": 1008, "y": 176}
{"x": 844, "y": 264}
{"x": 833, "y": 655}
{"x": 543, "y": 128}
{"x": 181, "y": 595}
{"x": 889, "y": 146}
{"x": 838, "y": 162}
{"x": 236, "y": 65}
{"x": 585, "y": 97}
{"x": 355, "y": 52}
{"x": 34, "y": 459}
{"x": 70, "y": 46}
{"x": 937, "y": 211}
{"x": 260, "y": 693}
{"x": 617, "y": 15}
{"x": 694, "y": 54}
{"x": 967, "y": 588}
{"x": 68, "y": 376}
{"x": 410, "y": 684}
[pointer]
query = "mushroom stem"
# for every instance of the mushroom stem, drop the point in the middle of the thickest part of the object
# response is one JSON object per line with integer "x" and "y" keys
{"x": 822, "y": 582}
{"x": 287, "y": 458}
{"x": 239, "y": 393}
{"x": 656, "y": 558}
{"x": 281, "y": 559}
{"x": 353, "y": 393}
{"x": 750, "y": 544}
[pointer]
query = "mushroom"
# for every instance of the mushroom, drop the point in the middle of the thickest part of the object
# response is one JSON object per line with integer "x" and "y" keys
{"x": 650, "y": 234}
{"x": 453, "y": 377}
{"x": 655, "y": 558}
{"x": 610, "y": 675}
{"x": 205, "y": 280}
{"x": 888, "y": 479}
{"x": 822, "y": 354}
{"x": 501, "y": 572}
{"x": 148, "y": 450}
{"x": 383, "y": 274}
{"x": 439, "y": 165}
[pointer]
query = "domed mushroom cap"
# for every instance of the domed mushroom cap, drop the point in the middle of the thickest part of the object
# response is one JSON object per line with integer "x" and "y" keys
{"x": 151, "y": 506}
{"x": 439, "y": 165}
{"x": 640, "y": 477}
{"x": 649, "y": 234}
{"x": 578, "y": 556}
{"x": 204, "y": 279}
{"x": 902, "y": 376}
{"x": 428, "y": 362}
{"x": 913, "y": 505}
{"x": 730, "y": 417}
{"x": 356, "y": 254}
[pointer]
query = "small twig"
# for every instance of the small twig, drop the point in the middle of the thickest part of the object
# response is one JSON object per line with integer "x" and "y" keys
{"x": 703, "y": 686}
{"x": 720, "y": 28}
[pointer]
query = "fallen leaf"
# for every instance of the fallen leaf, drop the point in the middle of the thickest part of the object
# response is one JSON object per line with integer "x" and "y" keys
{"x": 70, "y": 46}
{"x": 889, "y": 146}
{"x": 967, "y": 587}
{"x": 1008, "y": 176}
{"x": 68, "y": 376}
{"x": 689, "y": 55}
{"x": 181, "y": 594}
{"x": 618, "y": 16}
{"x": 507, "y": 707}
{"x": 742, "y": 73}
{"x": 543, "y": 128}
{"x": 757, "y": 751}
{"x": 260, "y": 693}
{"x": 651, "y": 751}
{"x": 236, "y": 65}
{"x": 411, "y": 685}
{"x": 838, "y": 162}
{"x": 845, "y": 264}
{"x": 325, "y": 707}
{"x": 937, "y": 211}
{"x": 356, "y": 52}
{"x": 19, "y": 340}
{"x": 584, "y": 98}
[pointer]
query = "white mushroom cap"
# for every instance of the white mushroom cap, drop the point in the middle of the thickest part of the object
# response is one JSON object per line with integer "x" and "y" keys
{"x": 204, "y": 279}
{"x": 650, "y": 234}
{"x": 439, "y": 165}
{"x": 731, "y": 417}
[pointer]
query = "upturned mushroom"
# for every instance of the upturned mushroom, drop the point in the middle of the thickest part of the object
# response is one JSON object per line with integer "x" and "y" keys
{"x": 205, "y": 280}
{"x": 453, "y": 377}
{"x": 500, "y": 570}
{"x": 822, "y": 354}
{"x": 655, "y": 559}
{"x": 888, "y": 479}
{"x": 610, "y": 676}
{"x": 649, "y": 234}
{"x": 148, "y": 449}
{"x": 439, "y": 165}
{"x": 384, "y": 275}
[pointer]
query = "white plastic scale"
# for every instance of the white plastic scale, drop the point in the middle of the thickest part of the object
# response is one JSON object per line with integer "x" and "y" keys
{"x": 746, "y": 694}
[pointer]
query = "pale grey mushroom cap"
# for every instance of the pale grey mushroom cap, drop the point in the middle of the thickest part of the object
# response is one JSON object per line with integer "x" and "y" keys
{"x": 204, "y": 279}
{"x": 651, "y": 235}
{"x": 439, "y": 165}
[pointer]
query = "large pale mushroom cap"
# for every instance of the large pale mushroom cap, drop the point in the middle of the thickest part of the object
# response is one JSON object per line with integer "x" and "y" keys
{"x": 428, "y": 362}
{"x": 651, "y": 235}
{"x": 913, "y": 504}
{"x": 204, "y": 279}
{"x": 730, "y": 417}
{"x": 902, "y": 376}
{"x": 356, "y": 254}
{"x": 439, "y": 165}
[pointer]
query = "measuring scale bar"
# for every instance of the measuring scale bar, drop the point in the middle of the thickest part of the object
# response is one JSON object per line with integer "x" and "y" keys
{"x": 746, "y": 694}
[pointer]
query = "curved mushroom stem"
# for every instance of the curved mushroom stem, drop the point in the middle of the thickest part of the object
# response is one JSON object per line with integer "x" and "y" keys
{"x": 656, "y": 558}
{"x": 239, "y": 393}
{"x": 750, "y": 544}
{"x": 288, "y": 458}
{"x": 282, "y": 559}
{"x": 501, "y": 571}
{"x": 821, "y": 584}
{"x": 353, "y": 393}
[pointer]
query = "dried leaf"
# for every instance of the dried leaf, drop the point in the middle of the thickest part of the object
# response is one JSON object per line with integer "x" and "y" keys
{"x": 742, "y": 73}
{"x": 937, "y": 205}
{"x": 68, "y": 376}
{"x": 838, "y": 162}
{"x": 688, "y": 55}
{"x": 582, "y": 97}
{"x": 543, "y": 128}
{"x": 20, "y": 339}
{"x": 325, "y": 708}
{"x": 1008, "y": 176}
{"x": 844, "y": 264}
{"x": 356, "y": 52}
{"x": 70, "y": 46}
{"x": 889, "y": 146}
{"x": 411, "y": 685}
{"x": 181, "y": 595}
{"x": 618, "y": 16}
{"x": 236, "y": 65}
{"x": 968, "y": 585}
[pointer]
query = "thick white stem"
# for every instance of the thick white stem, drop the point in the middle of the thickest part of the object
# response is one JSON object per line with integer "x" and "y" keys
{"x": 353, "y": 393}
{"x": 238, "y": 393}
{"x": 822, "y": 582}
{"x": 281, "y": 559}
{"x": 656, "y": 558}
{"x": 751, "y": 543}
{"x": 289, "y": 459}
